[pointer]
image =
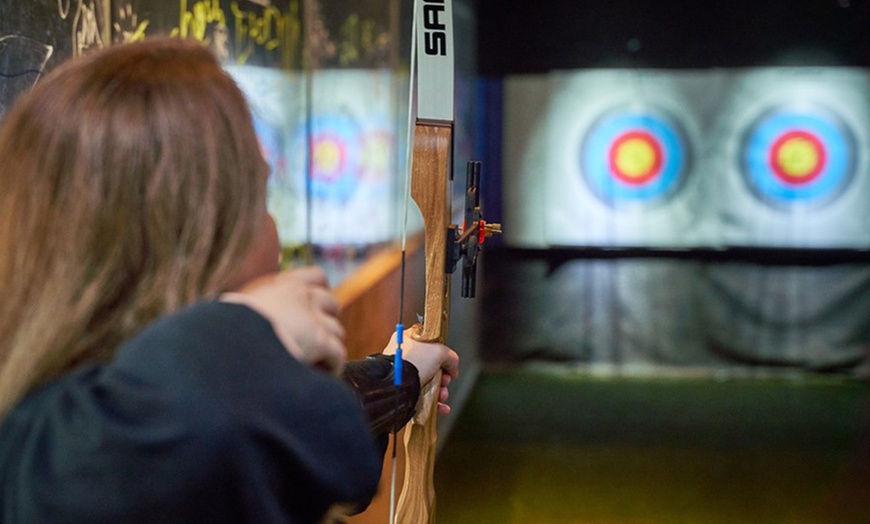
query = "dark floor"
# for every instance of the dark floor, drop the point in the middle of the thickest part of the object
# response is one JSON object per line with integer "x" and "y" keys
{"x": 542, "y": 447}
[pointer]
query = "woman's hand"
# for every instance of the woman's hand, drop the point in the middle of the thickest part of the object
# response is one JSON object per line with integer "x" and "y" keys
{"x": 302, "y": 311}
{"x": 428, "y": 358}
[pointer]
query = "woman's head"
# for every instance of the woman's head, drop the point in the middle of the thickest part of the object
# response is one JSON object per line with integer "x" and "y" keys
{"x": 132, "y": 184}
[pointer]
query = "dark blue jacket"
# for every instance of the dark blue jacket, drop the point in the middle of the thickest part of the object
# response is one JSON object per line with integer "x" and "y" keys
{"x": 203, "y": 417}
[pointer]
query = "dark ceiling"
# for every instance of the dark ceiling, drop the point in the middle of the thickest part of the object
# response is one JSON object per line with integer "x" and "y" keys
{"x": 536, "y": 36}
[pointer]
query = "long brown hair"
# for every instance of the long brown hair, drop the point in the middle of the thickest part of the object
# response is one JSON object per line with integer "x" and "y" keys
{"x": 131, "y": 183}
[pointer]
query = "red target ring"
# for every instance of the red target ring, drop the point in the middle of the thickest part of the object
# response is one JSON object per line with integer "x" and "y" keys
{"x": 636, "y": 157}
{"x": 797, "y": 157}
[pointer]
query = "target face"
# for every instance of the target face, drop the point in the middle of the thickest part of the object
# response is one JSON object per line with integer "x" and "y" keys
{"x": 634, "y": 157}
{"x": 272, "y": 147}
{"x": 795, "y": 157}
{"x": 377, "y": 152}
{"x": 335, "y": 156}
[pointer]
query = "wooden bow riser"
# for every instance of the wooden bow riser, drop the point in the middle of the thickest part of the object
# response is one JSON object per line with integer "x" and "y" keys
{"x": 431, "y": 190}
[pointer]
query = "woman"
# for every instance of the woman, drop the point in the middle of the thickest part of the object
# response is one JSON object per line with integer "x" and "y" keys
{"x": 154, "y": 366}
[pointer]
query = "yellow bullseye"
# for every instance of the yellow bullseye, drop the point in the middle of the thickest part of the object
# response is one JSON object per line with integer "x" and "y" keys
{"x": 634, "y": 158}
{"x": 327, "y": 157}
{"x": 798, "y": 157}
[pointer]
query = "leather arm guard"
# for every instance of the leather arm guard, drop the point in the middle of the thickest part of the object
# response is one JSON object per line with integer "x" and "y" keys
{"x": 387, "y": 407}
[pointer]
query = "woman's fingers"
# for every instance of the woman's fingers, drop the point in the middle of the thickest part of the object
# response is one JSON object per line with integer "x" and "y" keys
{"x": 302, "y": 311}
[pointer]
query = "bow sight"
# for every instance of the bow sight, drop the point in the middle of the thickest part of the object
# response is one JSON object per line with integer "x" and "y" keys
{"x": 466, "y": 245}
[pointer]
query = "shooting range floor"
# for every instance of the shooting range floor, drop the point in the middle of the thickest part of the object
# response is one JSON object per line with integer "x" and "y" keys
{"x": 533, "y": 447}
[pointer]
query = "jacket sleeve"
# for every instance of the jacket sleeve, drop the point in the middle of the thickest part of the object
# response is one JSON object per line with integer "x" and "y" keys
{"x": 203, "y": 417}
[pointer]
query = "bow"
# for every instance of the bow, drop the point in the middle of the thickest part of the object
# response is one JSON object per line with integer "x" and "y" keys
{"x": 431, "y": 173}
{"x": 445, "y": 244}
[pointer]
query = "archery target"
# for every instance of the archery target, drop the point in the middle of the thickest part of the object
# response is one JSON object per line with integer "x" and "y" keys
{"x": 332, "y": 161}
{"x": 798, "y": 157}
{"x": 757, "y": 157}
{"x": 376, "y": 154}
{"x": 631, "y": 157}
{"x": 275, "y": 110}
{"x": 335, "y": 151}
{"x": 271, "y": 141}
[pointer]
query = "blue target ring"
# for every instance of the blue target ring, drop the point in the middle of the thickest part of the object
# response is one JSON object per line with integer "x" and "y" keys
{"x": 798, "y": 157}
{"x": 272, "y": 146}
{"x": 335, "y": 156}
{"x": 631, "y": 157}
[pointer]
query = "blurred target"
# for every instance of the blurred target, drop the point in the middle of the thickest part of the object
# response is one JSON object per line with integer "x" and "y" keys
{"x": 271, "y": 141}
{"x": 792, "y": 157}
{"x": 376, "y": 154}
{"x": 634, "y": 157}
{"x": 335, "y": 156}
